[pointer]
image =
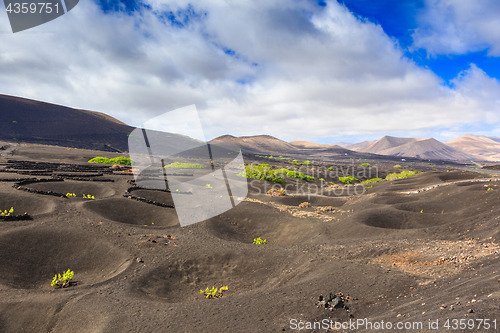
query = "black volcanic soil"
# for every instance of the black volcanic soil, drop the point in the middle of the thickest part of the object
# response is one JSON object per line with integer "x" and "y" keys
{"x": 412, "y": 250}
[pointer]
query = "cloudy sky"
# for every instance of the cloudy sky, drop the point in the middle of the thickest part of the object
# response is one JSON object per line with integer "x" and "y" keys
{"x": 323, "y": 71}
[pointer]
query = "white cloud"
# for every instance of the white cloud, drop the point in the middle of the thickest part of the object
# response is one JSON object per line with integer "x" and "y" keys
{"x": 459, "y": 27}
{"x": 310, "y": 71}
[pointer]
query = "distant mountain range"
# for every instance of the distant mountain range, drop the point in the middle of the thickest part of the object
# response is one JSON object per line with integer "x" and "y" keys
{"x": 465, "y": 148}
{"x": 269, "y": 145}
{"x": 25, "y": 120}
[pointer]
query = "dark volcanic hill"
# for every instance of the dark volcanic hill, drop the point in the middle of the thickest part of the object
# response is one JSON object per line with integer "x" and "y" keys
{"x": 25, "y": 120}
{"x": 269, "y": 145}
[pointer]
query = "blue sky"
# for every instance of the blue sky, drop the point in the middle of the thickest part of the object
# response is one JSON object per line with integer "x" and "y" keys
{"x": 323, "y": 71}
{"x": 400, "y": 18}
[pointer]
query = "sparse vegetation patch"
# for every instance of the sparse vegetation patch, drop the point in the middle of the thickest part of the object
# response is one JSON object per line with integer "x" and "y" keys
{"x": 179, "y": 165}
{"x": 259, "y": 241}
{"x": 349, "y": 180}
{"x": 117, "y": 160}
{"x": 372, "y": 181}
{"x": 64, "y": 280}
{"x": 402, "y": 175}
{"x": 7, "y": 212}
{"x": 295, "y": 162}
{"x": 214, "y": 292}
{"x": 263, "y": 172}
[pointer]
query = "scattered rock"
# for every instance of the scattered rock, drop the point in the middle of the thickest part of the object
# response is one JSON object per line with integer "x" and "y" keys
{"x": 333, "y": 301}
{"x": 336, "y": 303}
{"x": 163, "y": 239}
{"x": 470, "y": 311}
{"x": 139, "y": 260}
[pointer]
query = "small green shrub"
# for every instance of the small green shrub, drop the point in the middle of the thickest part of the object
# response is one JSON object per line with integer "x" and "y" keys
{"x": 369, "y": 186}
{"x": 489, "y": 189}
{"x": 121, "y": 160}
{"x": 117, "y": 160}
{"x": 179, "y": 165}
{"x": 349, "y": 180}
{"x": 372, "y": 181}
{"x": 259, "y": 241}
{"x": 365, "y": 165}
{"x": 295, "y": 162}
{"x": 263, "y": 172}
{"x": 397, "y": 166}
{"x": 214, "y": 292}
{"x": 64, "y": 280}
{"x": 294, "y": 174}
{"x": 103, "y": 160}
{"x": 402, "y": 175}
{"x": 7, "y": 212}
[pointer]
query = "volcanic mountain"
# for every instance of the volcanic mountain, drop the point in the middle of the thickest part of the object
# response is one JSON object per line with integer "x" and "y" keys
{"x": 480, "y": 147}
{"x": 307, "y": 144}
{"x": 356, "y": 146}
{"x": 25, "y": 120}
{"x": 413, "y": 147}
{"x": 257, "y": 144}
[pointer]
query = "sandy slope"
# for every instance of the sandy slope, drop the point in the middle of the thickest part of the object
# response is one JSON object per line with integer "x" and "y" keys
{"x": 481, "y": 147}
